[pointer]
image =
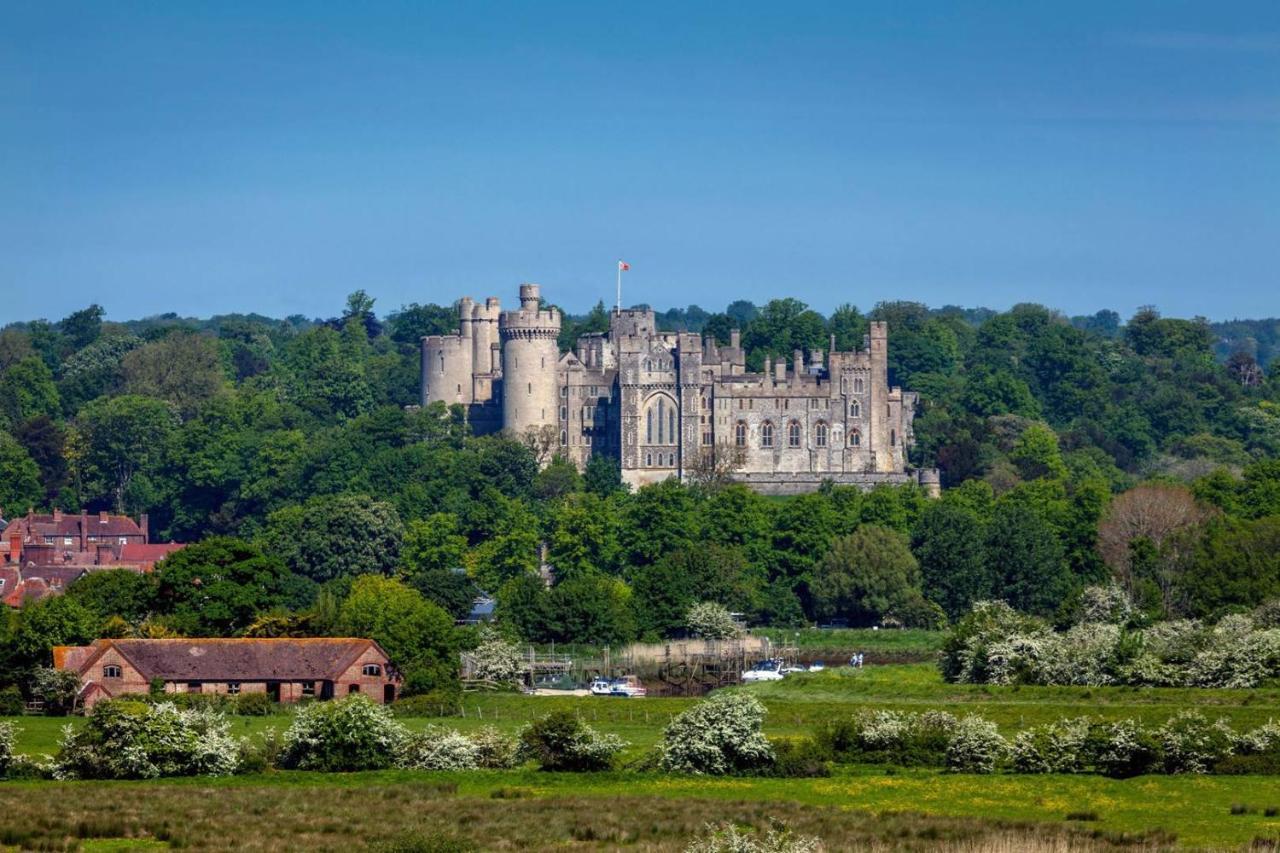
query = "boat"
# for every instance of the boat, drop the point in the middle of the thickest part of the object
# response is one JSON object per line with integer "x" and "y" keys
{"x": 817, "y": 666}
{"x": 765, "y": 670}
{"x": 601, "y": 687}
{"x": 628, "y": 687}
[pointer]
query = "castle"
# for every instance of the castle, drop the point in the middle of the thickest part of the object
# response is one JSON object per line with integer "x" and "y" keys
{"x": 666, "y": 404}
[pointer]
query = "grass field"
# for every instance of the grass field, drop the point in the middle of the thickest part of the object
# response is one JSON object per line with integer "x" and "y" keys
{"x": 524, "y": 809}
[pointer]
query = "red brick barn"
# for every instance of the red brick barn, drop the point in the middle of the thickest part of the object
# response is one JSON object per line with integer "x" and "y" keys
{"x": 285, "y": 669}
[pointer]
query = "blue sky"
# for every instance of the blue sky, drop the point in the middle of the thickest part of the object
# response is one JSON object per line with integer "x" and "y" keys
{"x": 215, "y": 157}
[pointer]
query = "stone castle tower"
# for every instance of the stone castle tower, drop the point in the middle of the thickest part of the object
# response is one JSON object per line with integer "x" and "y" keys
{"x": 662, "y": 403}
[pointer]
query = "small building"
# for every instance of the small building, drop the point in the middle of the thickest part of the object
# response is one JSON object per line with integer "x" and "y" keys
{"x": 287, "y": 669}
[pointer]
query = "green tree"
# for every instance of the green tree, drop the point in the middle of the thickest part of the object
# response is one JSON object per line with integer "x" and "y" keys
{"x": 20, "y": 487}
{"x": 333, "y": 536}
{"x": 559, "y": 479}
{"x": 1027, "y": 557}
{"x": 82, "y": 327}
{"x": 218, "y": 586}
{"x": 949, "y": 543}
{"x": 27, "y": 391}
{"x": 1235, "y": 564}
{"x": 53, "y": 621}
{"x": 582, "y": 536}
{"x": 182, "y": 368}
{"x": 45, "y": 441}
{"x": 433, "y": 544}
{"x": 418, "y": 636}
{"x": 590, "y": 609}
{"x": 866, "y": 576}
{"x": 128, "y": 595}
{"x": 1037, "y": 455}
{"x": 603, "y": 476}
{"x": 124, "y": 440}
{"x": 658, "y": 519}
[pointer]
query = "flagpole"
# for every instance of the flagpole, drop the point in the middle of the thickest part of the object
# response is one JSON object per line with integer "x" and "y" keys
{"x": 617, "y": 306}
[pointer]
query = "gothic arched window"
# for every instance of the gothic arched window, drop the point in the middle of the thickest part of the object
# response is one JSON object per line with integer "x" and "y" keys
{"x": 648, "y": 429}
{"x": 855, "y": 438}
{"x": 766, "y": 434}
{"x": 740, "y": 434}
{"x": 855, "y": 410}
{"x": 793, "y": 434}
{"x": 820, "y": 434}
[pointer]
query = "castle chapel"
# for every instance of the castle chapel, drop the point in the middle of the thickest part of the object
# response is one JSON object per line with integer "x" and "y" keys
{"x": 659, "y": 402}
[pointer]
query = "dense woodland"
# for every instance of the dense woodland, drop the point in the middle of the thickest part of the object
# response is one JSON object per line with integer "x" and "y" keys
{"x": 320, "y": 501}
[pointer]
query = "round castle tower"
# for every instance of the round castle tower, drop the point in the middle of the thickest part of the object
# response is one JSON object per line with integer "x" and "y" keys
{"x": 529, "y": 357}
{"x": 447, "y": 360}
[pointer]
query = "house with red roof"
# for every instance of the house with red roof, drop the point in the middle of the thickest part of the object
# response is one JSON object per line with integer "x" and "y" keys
{"x": 286, "y": 669}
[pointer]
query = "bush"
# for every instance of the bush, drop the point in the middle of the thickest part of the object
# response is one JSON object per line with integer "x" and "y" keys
{"x": 254, "y": 705}
{"x": 262, "y": 754}
{"x": 711, "y": 620}
{"x": 495, "y": 659}
{"x": 887, "y": 737}
{"x": 718, "y": 736}
{"x": 993, "y": 644}
{"x": 1192, "y": 745}
{"x": 56, "y": 688}
{"x": 437, "y": 749}
{"x": 560, "y": 741}
{"x": 8, "y": 736}
{"x": 728, "y": 838}
{"x": 346, "y": 734}
{"x": 1124, "y": 749}
{"x": 137, "y": 740}
{"x": 11, "y": 704}
{"x": 495, "y": 750}
{"x": 1061, "y": 747}
{"x": 437, "y": 703}
{"x": 976, "y": 746}
{"x": 796, "y": 759}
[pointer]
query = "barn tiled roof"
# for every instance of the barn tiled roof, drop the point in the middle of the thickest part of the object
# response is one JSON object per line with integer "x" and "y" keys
{"x": 205, "y": 659}
{"x": 136, "y": 552}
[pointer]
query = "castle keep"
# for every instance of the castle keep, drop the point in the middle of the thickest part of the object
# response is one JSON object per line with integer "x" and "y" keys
{"x": 662, "y": 403}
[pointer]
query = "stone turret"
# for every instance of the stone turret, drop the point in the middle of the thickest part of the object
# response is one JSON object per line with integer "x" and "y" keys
{"x": 484, "y": 335}
{"x": 530, "y": 394}
{"x": 880, "y": 428}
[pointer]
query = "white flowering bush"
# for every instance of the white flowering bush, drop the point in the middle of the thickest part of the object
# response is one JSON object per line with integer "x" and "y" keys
{"x": 352, "y": 733}
{"x": 1125, "y": 748}
{"x": 1060, "y": 747}
{"x": 495, "y": 659}
{"x": 976, "y": 746}
{"x": 711, "y": 620}
{"x": 1236, "y": 655}
{"x": 1264, "y": 739}
{"x": 8, "y": 736}
{"x": 137, "y": 740}
{"x": 993, "y": 644}
{"x": 727, "y": 838}
{"x": 1177, "y": 641}
{"x": 718, "y": 736}
{"x": 438, "y": 749}
{"x": 1081, "y": 655}
{"x": 1107, "y": 604}
{"x": 1191, "y": 744}
{"x": 495, "y": 750}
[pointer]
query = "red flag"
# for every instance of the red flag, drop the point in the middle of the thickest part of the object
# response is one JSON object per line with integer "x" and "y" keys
{"x": 623, "y": 266}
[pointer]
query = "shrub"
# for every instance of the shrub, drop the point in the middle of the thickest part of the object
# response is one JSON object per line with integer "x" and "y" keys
{"x": 796, "y": 759}
{"x": 1124, "y": 749}
{"x": 560, "y": 741}
{"x": 56, "y": 688}
{"x": 437, "y": 703}
{"x": 1108, "y": 604}
{"x": 1193, "y": 745}
{"x": 261, "y": 754}
{"x": 11, "y": 704}
{"x": 438, "y": 749}
{"x": 8, "y": 736}
{"x": 889, "y": 737}
{"x": 1083, "y": 654}
{"x": 976, "y": 746}
{"x": 137, "y": 740}
{"x": 495, "y": 750}
{"x": 346, "y": 734}
{"x": 1061, "y": 747}
{"x": 727, "y": 838}
{"x": 711, "y": 620}
{"x": 993, "y": 644}
{"x": 718, "y": 736}
{"x": 1236, "y": 655}
{"x": 254, "y": 705}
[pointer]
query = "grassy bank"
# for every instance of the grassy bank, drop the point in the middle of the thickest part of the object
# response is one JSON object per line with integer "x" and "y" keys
{"x": 529, "y": 810}
{"x": 836, "y": 644}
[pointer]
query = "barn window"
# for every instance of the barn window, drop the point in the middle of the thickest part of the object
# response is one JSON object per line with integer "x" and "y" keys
{"x": 740, "y": 434}
{"x": 820, "y": 434}
{"x": 371, "y": 669}
{"x": 766, "y": 434}
{"x": 855, "y": 438}
{"x": 353, "y": 688}
{"x": 793, "y": 434}
{"x": 233, "y": 688}
{"x": 308, "y": 688}
{"x": 111, "y": 671}
{"x": 193, "y": 687}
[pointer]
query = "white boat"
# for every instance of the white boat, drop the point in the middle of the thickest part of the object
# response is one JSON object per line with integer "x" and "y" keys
{"x": 765, "y": 670}
{"x": 629, "y": 687}
{"x": 817, "y": 666}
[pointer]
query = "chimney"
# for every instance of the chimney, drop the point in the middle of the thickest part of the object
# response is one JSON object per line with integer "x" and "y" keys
{"x": 15, "y": 547}
{"x": 142, "y": 523}
{"x": 735, "y": 338}
{"x": 102, "y": 517}
{"x": 57, "y": 515}
{"x": 768, "y": 366}
{"x": 797, "y": 360}
{"x": 832, "y": 347}
{"x": 84, "y": 530}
